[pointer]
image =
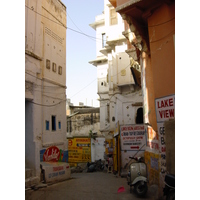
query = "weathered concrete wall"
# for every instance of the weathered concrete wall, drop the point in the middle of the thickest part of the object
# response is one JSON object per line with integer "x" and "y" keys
{"x": 44, "y": 40}
{"x": 83, "y": 122}
{"x": 170, "y": 145}
{"x": 97, "y": 149}
{"x": 56, "y": 171}
{"x": 29, "y": 144}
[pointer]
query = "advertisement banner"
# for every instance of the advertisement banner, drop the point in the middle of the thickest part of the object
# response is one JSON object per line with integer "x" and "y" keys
{"x": 133, "y": 137}
{"x": 56, "y": 171}
{"x": 53, "y": 154}
{"x": 165, "y": 108}
{"x": 162, "y": 147}
{"x": 152, "y": 140}
{"x": 152, "y": 162}
{"x": 79, "y": 150}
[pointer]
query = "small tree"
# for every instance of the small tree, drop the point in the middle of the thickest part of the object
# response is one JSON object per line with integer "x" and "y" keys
{"x": 91, "y": 135}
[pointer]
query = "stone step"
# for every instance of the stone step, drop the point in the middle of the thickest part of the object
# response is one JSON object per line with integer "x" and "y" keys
{"x": 28, "y": 173}
{"x": 31, "y": 182}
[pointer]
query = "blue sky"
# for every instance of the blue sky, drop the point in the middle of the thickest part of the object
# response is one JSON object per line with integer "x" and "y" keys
{"x": 81, "y": 78}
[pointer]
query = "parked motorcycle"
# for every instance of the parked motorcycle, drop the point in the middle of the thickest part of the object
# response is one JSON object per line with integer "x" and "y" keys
{"x": 137, "y": 176}
{"x": 95, "y": 166}
{"x": 169, "y": 189}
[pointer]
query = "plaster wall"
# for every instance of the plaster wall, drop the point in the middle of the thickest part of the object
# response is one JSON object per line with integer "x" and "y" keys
{"x": 124, "y": 111}
{"x": 54, "y": 40}
{"x": 32, "y": 27}
{"x": 82, "y": 124}
{"x": 29, "y": 135}
{"x": 163, "y": 49}
{"x": 170, "y": 145}
{"x": 124, "y": 75}
{"x": 148, "y": 91}
{"x": 100, "y": 29}
{"x": 102, "y": 72}
{"x": 44, "y": 39}
{"x": 97, "y": 149}
{"x": 112, "y": 30}
{"x": 104, "y": 118}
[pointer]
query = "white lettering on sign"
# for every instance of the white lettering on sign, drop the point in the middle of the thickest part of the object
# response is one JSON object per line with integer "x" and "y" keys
{"x": 165, "y": 108}
{"x": 162, "y": 146}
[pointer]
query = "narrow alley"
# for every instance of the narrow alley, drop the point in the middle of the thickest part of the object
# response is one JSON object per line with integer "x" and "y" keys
{"x": 81, "y": 186}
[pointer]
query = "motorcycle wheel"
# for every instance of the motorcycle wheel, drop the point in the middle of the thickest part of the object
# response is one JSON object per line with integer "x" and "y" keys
{"x": 171, "y": 195}
{"x": 141, "y": 188}
{"x": 102, "y": 167}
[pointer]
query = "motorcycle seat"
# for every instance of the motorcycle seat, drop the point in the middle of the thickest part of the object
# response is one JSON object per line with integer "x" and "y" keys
{"x": 170, "y": 180}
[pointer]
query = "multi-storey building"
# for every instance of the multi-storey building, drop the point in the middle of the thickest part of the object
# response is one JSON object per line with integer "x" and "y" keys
{"x": 81, "y": 120}
{"x": 45, "y": 81}
{"x": 119, "y": 90}
{"x": 150, "y": 30}
{"x": 83, "y": 124}
{"x": 119, "y": 96}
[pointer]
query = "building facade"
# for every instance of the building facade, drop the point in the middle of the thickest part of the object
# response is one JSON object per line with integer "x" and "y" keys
{"x": 83, "y": 125}
{"x": 45, "y": 81}
{"x": 81, "y": 120}
{"x": 119, "y": 96}
{"x": 119, "y": 89}
{"x": 150, "y": 31}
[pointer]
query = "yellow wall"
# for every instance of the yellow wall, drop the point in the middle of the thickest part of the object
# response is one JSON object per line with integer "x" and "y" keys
{"x": 79, "y": 150}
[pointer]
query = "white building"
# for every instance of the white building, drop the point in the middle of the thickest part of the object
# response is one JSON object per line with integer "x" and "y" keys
{"x": 45, "y": 80}
{"x": 119, "y": 96}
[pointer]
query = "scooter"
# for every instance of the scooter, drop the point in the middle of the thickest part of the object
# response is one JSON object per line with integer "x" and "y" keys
{"x": 169, "y": 189}
{"x": 137, "y": 176}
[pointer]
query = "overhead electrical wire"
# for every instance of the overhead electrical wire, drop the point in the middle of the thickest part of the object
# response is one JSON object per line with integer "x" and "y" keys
{"x": 94, "y": 38}
{"x": 162, "y": 23}
{"x": 163, "y": 37}
{"x": 81, "y": 89}
{"x": 95, "y": 80}
{"x": 80, "y": 32}
{"x": 50, "y": 86}
{"x": 64, "y": 25}
{"x": 79, "y": 28}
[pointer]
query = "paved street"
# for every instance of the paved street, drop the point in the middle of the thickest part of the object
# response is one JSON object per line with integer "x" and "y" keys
{"x": 90, "y": 186}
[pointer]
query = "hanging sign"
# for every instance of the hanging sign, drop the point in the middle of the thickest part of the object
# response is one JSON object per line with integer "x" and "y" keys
{"x": 133, "y": 137}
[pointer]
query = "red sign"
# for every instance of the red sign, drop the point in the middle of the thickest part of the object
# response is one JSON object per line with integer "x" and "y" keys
{"x": 165, "y": 108}
{"x": 51, "y": 154}
{"x": 70, "y": 142}
{"x": 135, "y": 147}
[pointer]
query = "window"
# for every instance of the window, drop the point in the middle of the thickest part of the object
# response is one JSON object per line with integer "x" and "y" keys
{"x": 113, "y": 16}
{"x": 47, "y": 64}
{"x": 69, "y": 126}
{"x": 47, "y": 125}
{"x": 54, "y": 67}
{"x": 59, "y": 125}
{"x": 103, "y": 40}
{"x": 53, "y": 122}
{"x": 60, "y": 70}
